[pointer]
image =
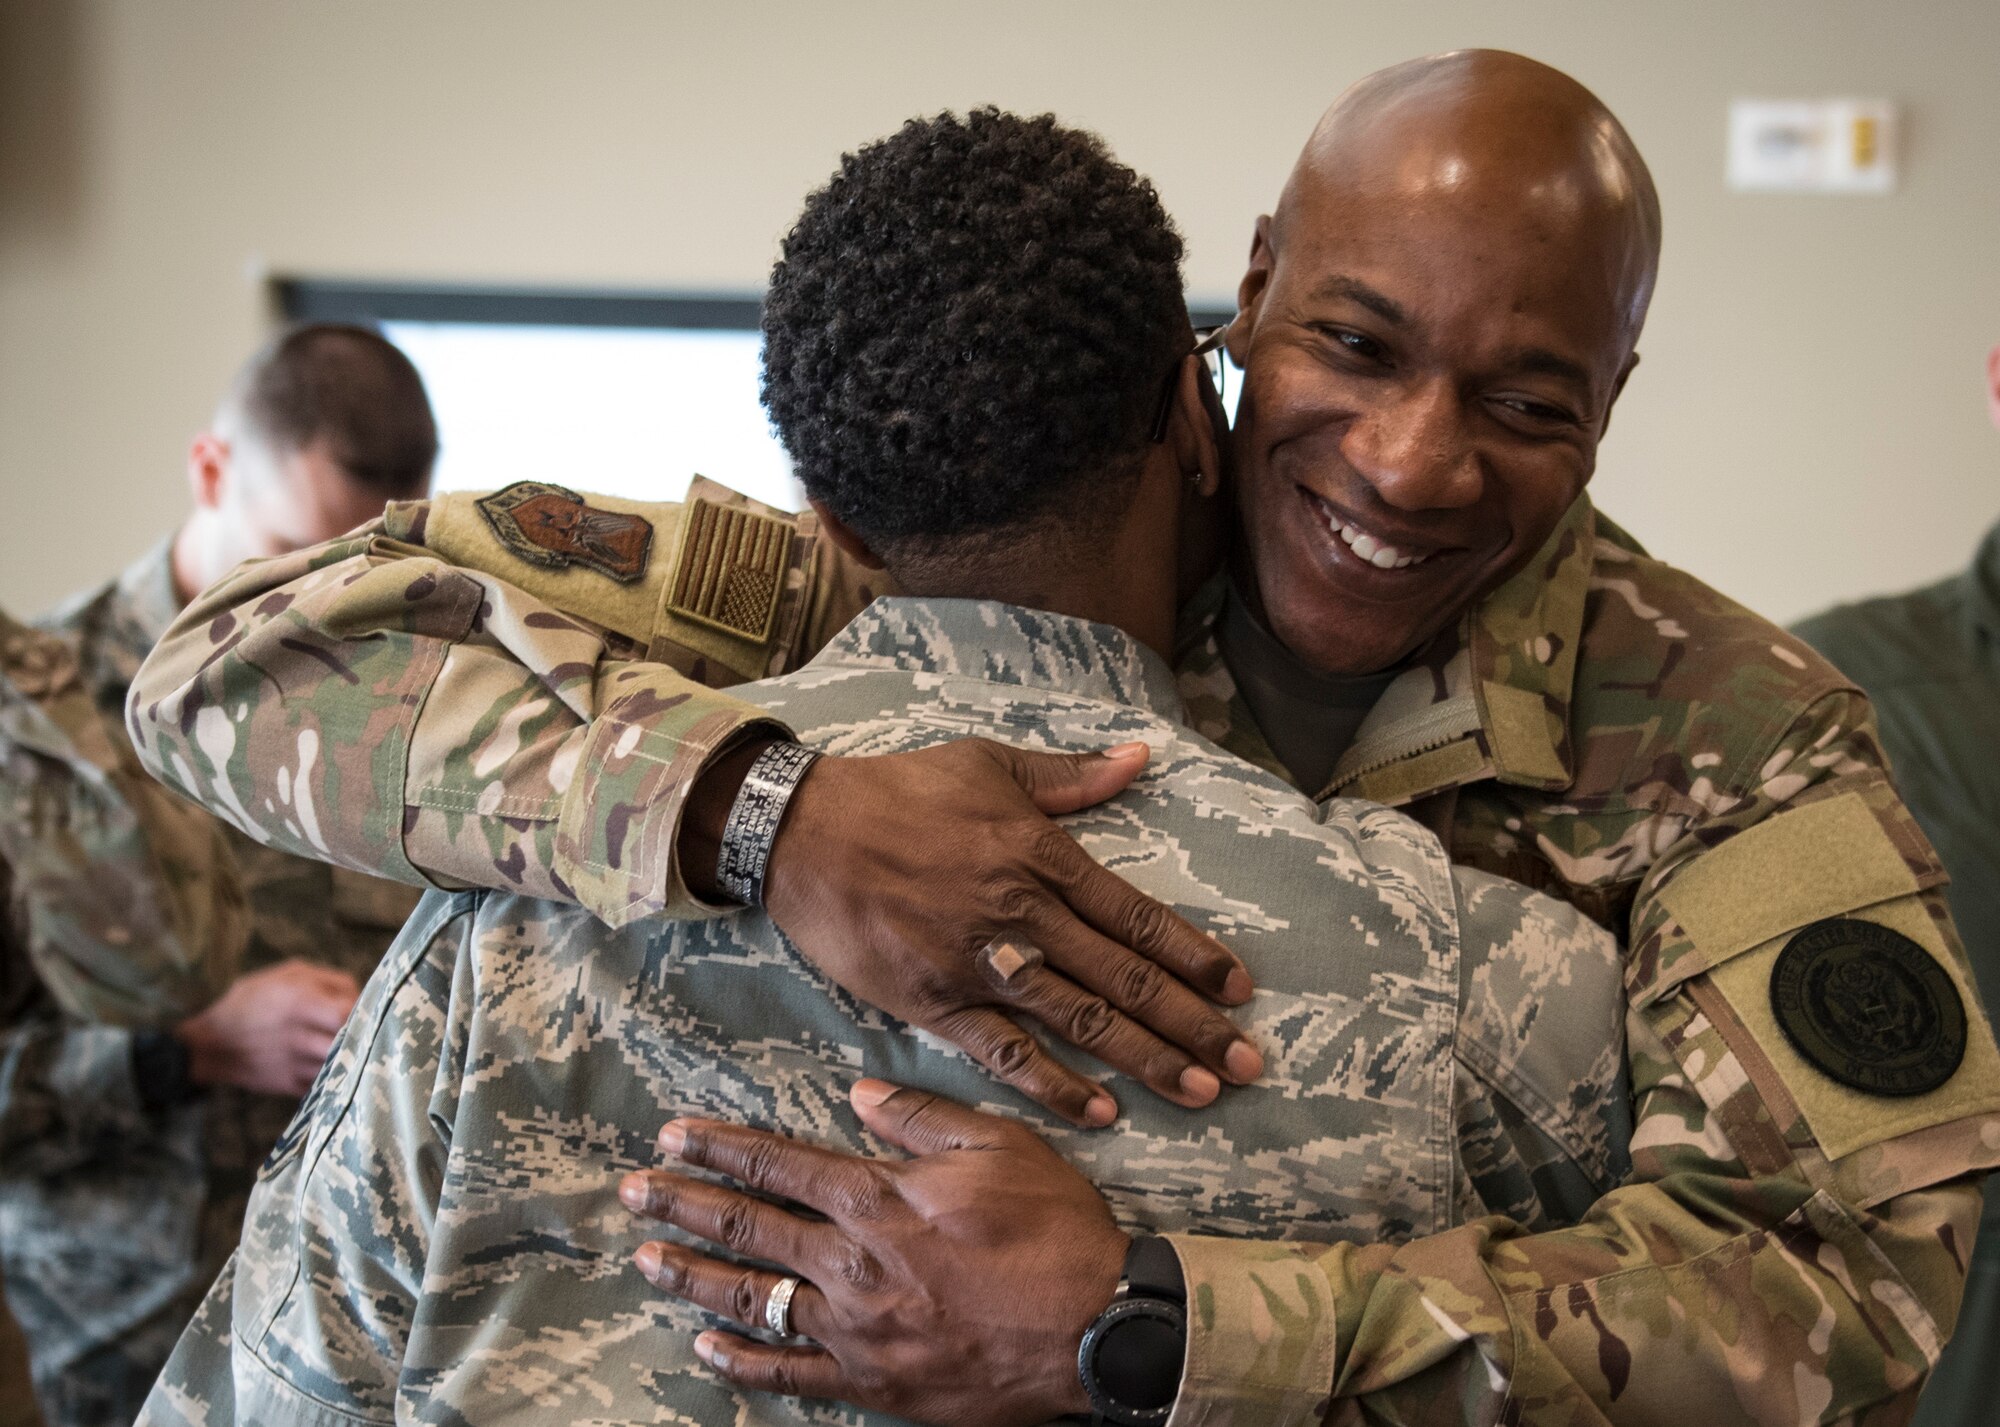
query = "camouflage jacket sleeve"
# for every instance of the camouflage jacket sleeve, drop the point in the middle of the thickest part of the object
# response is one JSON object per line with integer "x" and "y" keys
{"x": 371, "y": 704}
{"x": 122, "y": 900}
{"x": 1787, "y": 1249}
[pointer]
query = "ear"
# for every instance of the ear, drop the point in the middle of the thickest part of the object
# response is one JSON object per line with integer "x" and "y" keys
{"x": 1618, "y": 390}
{"x": 850, "y": 544}
{"x": 1197, "y": 429}
{"x": 1250, "y": 291}
{"x": 208, "y": 469}
{"x": 1993, "y": 385}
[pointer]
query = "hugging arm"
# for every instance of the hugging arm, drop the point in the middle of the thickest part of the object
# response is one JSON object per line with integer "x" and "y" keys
{"x": 370, "y": 704}
{"x": 1785, "y": 1249}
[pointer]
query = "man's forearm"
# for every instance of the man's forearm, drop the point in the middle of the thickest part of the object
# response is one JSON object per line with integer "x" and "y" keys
{"x": 1601, "y": 1323}
{"x": 498, "y": 743}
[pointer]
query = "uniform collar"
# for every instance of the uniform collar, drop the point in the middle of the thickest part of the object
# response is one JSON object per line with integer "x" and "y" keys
{"x": 1006, "y": 644}
{"x": 1489, "y": 700}
{"x": 1521, "y": 644}
{"x": 146, "y": 589}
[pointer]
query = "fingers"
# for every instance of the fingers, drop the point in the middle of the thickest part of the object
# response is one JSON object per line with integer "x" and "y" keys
{"x": 308, "y": 1053}
{"x": 313, "y": 977}
{"x": 1065, "y": 782}
{"x": 338, "y": 983}
{"x": 922, "y": 1123}
{"x": 1016, "y": 1057}
{"x": 837, "y": 1185}
{"x": 739, "y": 1223}
{"x": 323, "y": 1014}
{"x": 1090, "y": 1023}
{"x": 794, "y": 1372}
{"x": 1141, "y": 990}
{"x": 736, "y": 1291}
{"x": 1130, "y": 918}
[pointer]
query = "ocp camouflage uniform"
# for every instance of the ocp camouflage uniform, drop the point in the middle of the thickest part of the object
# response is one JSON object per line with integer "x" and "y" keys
{"x": 118, "y": 902}
{"x": 1786, "y": 1247}
{"x": 442, "y": 1240}
{"x": 116, "y": 1212}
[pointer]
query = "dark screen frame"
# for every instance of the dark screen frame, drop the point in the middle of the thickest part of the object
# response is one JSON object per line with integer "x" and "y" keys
{"x": 315, "y": 299}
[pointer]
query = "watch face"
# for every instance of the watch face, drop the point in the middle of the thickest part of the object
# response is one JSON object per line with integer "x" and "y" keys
{"x": 1133, "y": 1356}
{"x": 1132, "y": 1360}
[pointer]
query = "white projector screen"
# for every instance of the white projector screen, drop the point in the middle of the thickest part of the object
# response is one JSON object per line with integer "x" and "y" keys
{"x": 626, "y": 411}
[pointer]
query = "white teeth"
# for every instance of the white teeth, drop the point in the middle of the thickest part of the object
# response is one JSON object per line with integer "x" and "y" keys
{"x": 1380, "y": 554}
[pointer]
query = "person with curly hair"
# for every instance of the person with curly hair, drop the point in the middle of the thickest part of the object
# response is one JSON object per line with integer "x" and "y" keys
{"x": 979, "y": 359}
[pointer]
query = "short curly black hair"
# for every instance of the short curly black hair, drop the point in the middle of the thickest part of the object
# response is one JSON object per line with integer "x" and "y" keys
{"x": 970, "y": 329}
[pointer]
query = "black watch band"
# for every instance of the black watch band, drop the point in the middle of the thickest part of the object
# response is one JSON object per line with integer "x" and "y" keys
{"x": 1131, "y": 1357}
{"x": 1153, "y": 1268}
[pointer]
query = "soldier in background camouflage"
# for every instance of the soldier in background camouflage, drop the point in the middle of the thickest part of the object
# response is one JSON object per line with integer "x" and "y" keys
{"x": 132, "y": 1147}
{"x": 513, "y": 1054}
{"x": 1594, "y": 722}
{"x": 118, "y": 902}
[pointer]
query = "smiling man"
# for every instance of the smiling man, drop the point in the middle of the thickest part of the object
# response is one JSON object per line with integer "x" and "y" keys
{"x": 1426, "y": 388}
{"x": 1422, "y": 608}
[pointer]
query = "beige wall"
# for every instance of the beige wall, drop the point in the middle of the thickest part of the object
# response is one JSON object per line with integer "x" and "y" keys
{"x": 1806, "y": 425}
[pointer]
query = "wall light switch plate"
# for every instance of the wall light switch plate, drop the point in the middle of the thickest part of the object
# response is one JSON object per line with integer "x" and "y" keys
{"x": 1812, "y": 145}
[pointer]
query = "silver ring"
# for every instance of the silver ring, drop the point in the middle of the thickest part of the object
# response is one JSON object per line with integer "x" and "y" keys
{"x": 1007, "y": 958}
{"x": 778, "y": 1307}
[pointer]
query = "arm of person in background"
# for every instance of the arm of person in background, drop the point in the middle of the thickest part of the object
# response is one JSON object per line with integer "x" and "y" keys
{"x": 66, "y": 1085}
{"x": 374, "y": 704}
{"x": 122, "y": 902}
{"x": 1787, "y": 1249}
{"x": 123, "y": 897}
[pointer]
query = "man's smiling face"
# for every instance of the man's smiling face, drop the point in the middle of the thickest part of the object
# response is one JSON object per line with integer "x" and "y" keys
{"x": 1434, "y": 329}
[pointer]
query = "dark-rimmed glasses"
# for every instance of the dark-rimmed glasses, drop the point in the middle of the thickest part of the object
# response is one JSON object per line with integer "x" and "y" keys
{"x": 1207, "y": 346}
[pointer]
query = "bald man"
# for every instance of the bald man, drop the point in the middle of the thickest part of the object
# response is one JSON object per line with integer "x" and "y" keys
{"x": 1420, "y": 606}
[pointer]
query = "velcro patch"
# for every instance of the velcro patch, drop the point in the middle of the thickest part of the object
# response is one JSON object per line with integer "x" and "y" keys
{"x": 731, "y": 569}
{"x": 555, "y": 528}
{"x": 1869, "y": 1007}
{"x": 1844, "y": 1118}
{"x": 1821, "y": 860}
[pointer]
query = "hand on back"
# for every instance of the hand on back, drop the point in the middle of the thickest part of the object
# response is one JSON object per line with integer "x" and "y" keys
{"x": 895, "y": 874}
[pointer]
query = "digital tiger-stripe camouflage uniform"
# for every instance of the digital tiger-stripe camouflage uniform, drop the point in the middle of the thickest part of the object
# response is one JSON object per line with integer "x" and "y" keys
{"x": 120, "y": 1205}
{"x": 442, "y": 1240}
{"x": 152, "y": 938}
{"x": 1785, "y": 1248}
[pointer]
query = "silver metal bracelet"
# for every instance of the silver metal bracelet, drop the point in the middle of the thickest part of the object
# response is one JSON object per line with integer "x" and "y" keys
{"x": 754, "y": 817}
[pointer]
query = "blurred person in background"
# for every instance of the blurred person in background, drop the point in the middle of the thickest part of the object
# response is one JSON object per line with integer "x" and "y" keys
{"x": 119, "y": 902}
{"x": 136, "y": 1146}
{"x": 1930, "y": 662}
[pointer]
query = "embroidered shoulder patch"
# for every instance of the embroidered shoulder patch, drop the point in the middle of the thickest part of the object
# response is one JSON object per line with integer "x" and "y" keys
{"x": 1869, "y": 1007}
{"x": 731, "y": 569}
{"x": 552, "y": 527}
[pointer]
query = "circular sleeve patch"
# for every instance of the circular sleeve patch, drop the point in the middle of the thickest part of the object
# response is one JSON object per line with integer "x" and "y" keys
{"x": 1869, "y": 1007}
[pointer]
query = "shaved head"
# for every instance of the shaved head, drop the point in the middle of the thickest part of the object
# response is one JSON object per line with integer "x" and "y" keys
{"x": 1490, "y": 130}
{"x": 1436, "y": 321}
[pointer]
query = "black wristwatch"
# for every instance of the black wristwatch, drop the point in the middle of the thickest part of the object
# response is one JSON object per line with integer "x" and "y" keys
{"x": 1131, "y": 1357}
